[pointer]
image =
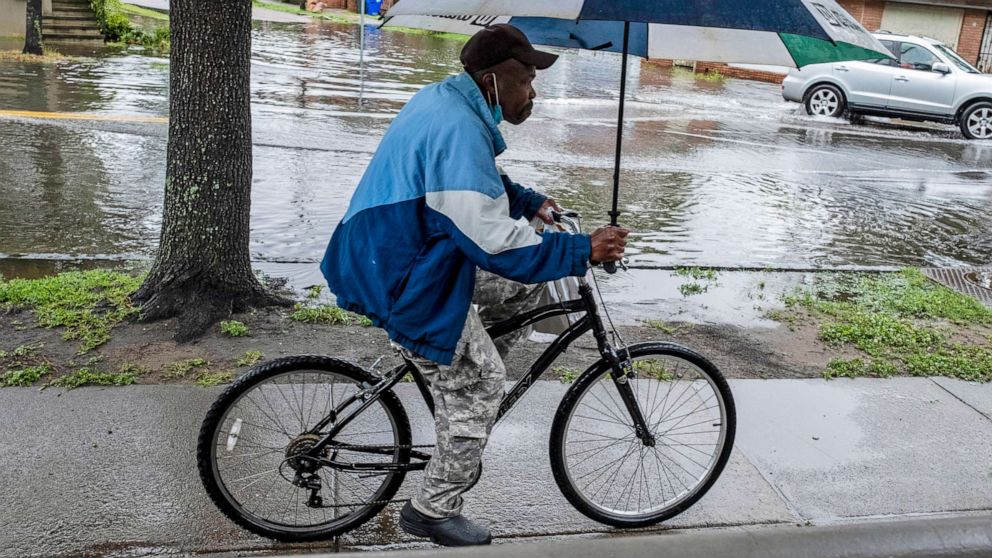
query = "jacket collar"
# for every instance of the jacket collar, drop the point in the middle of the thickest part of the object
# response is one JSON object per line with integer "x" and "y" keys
{"x": 466, "y": 86}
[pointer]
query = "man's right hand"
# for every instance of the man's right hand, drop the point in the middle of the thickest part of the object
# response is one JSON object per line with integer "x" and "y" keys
{"x": 608, "y": 244}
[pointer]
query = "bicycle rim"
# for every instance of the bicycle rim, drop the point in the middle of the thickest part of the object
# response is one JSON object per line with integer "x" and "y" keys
{"x": 255, "y": 449}
{"x": 621, "y": 479}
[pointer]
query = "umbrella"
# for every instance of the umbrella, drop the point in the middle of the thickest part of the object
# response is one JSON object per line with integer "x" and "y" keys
{"x": 792, "y": 33}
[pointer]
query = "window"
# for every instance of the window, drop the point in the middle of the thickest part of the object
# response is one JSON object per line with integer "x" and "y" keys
{"x": 915, "y": 57}
{"x": 891, "y": 45}
{"x": 958, "y": 61}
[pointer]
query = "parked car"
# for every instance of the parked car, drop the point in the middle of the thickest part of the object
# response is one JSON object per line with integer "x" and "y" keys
{"x": 927, "y": 81}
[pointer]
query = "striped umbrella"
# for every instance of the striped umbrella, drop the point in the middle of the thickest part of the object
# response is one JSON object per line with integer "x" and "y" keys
{"x": 790, "y": 33}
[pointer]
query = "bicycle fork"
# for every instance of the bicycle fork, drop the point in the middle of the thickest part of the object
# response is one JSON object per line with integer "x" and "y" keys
{"x": 618, "y": 372}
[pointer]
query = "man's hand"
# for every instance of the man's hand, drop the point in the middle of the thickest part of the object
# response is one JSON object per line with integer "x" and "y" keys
{"x": 608, "y": 244}
{"x": 544, "y": 213}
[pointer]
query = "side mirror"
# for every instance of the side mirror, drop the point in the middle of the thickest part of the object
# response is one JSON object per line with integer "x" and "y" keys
{"x": 941, "y": 67}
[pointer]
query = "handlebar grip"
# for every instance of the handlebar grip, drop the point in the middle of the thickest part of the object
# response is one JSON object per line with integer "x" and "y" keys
{"x": 610, "y": 267}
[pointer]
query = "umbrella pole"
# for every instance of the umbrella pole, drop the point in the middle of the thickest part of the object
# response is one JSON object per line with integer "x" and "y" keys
{"x": 623, "y": 92}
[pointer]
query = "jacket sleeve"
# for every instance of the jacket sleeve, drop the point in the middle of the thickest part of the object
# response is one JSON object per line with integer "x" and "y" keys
{"x": 468, "y": 202}
{"x": 524, "y": 202}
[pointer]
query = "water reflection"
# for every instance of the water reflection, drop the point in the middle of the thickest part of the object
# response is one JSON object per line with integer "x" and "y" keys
{"x": 716, "y": 172}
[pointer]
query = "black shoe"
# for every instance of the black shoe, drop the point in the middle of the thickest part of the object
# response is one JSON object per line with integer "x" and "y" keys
{"x": 450, "y": 531}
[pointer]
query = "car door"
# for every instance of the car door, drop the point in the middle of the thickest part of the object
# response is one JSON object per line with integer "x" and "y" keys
{"x": 916, "y": 87}
{"x": 869, "y": 82}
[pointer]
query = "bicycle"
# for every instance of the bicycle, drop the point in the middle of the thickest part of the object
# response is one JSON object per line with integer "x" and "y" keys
{"x": 657, "y": 417}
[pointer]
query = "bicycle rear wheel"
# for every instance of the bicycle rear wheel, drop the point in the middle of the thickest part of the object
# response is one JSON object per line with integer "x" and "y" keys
{"x": 616, "y": 478}
{"x": 251, "y": 442}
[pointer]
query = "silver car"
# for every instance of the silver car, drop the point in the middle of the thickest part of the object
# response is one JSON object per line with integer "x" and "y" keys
{"x": 926, "y": 81}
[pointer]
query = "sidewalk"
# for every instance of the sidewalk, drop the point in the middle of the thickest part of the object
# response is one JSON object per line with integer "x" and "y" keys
{"x": 113, "y": 470}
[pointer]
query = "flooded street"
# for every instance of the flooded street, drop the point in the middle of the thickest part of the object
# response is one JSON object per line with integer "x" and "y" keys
{"x": 716, "y": 172}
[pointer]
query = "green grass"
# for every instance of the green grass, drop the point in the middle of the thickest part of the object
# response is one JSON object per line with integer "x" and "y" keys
{"x": 353, "y": 18}
{"x": 327, "y": 314}
{"x": 566, "y": 374}
{"x": 662, "y": 326}
{"x": 314, "y": 292}
{"x": 182, "y": 368}
{"x": 144, "y": 12}
{"x": 208, "y": 379}
{"x": 87, "y": 377}
{"x": 690, "y": 289}
{"x": 250, "y": 358}
{"x": 702, "y": 76}
{"x": 653, "y": 369}
{"x": 25, "y": 377}
{"x": 234, "y": 328}
{"x": 700, "y": 280}
{"x": 904, "y": 322}
{"x": 88, "y": 304}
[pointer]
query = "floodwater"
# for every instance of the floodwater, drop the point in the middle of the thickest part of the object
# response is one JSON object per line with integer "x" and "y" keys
{"x": 716, "y": 172}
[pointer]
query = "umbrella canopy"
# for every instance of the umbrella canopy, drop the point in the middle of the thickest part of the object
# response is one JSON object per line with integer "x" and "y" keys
{"x": 779, "y": 32}
{"x": 791, "y": 33}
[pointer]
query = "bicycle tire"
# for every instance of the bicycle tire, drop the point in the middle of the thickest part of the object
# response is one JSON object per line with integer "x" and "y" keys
{"x": 584, "y": 384}
{"x": 221, "y": 496}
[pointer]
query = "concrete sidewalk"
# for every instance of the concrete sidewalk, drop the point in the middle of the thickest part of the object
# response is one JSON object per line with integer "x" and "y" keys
{"x": 107, "y": 471}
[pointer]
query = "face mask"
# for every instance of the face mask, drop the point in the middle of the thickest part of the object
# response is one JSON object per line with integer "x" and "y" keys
{"x": 496, "y": 109}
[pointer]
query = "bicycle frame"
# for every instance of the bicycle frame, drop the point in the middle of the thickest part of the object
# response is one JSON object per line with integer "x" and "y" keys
{"x": 619, "y": 367}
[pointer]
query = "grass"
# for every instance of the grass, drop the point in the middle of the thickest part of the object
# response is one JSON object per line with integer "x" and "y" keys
{"x": 662, "y": 326}
{"x": 208, "y": 379}
{"x": 703, "y": 76}
{"x": 87, "y": 377}
{"x": 144, "y": 12}
{"x": 566, "y": 374}
{"x": 182, "y": 368}
{"x": 327, "y": 314}
{"x": 690, "y": 289}
{"x": 250, "y": 358}
{"x": 88, "y": 304}
{"x": 25, "y": 377}
{"x": 50, "y": 56}
{"x": 653, "y": 369}
{"x": 903, "y": 323}
{"x": 234, "y": 328}
{"x": 700, "y": 280}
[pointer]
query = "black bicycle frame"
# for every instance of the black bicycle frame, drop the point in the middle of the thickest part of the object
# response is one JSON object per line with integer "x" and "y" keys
{"x": 370, "y": 393}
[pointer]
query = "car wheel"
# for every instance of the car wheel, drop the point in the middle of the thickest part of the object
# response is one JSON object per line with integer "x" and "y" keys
{"x": 976, "y": 121}
{"x": 825, "y": 100}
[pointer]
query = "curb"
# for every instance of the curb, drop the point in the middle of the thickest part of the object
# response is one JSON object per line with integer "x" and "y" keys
{"x": 958, "y": 536}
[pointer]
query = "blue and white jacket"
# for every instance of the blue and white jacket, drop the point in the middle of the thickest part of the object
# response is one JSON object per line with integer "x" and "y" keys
{"x": 432, "y": 206}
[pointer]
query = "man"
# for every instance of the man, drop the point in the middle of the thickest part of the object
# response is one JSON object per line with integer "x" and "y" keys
{"x": 431, "y": 208}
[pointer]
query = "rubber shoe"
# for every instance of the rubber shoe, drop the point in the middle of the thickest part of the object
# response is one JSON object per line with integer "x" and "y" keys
{"x": 449, "y": 531}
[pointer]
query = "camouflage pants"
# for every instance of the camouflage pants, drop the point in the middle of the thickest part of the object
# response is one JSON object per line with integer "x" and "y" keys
{"x": 466, "y": 396}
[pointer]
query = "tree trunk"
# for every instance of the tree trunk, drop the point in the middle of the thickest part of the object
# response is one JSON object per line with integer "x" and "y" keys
{"x": 32, "y": 34}
{"x": 202, "y": 272}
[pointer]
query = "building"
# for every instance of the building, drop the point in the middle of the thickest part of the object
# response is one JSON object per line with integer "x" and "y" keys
{"x": 964, "y": 25}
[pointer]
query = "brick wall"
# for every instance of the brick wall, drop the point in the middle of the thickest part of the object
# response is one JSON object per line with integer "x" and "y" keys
{"x": 871, "y": 16}
{"x": 731, "y": 71}
{"x": 970, "y": 40}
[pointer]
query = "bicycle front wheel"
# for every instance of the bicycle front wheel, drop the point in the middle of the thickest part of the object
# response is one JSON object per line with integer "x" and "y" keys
{"x": 615, "y": 477}
{"x": 253, "y": 446}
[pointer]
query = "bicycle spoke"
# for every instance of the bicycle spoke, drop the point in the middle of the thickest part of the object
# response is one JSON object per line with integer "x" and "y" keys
{"x": 617, "y": 472}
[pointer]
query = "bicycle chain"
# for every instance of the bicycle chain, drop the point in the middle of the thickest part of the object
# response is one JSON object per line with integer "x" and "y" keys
{"x": 377, "y": 502}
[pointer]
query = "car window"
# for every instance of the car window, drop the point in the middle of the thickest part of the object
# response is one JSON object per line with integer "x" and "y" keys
{"x": 958, "y": 61}
{"x": 893, "y": 48}
{"x": 915, "y": 57}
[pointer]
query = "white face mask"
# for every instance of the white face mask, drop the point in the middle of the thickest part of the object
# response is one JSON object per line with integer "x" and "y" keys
{"x": 496, "y": 109}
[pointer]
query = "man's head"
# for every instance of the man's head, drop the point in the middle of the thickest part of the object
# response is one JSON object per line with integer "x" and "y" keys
{"x": 503, "y": 63}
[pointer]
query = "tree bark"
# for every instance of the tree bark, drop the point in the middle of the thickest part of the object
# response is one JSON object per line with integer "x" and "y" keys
{"x": 32, "y": 33}
{"x": 202, "y": 271}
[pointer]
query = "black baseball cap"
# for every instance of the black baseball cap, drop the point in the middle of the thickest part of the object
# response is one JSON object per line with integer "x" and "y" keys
{"x": 499, "y": 43}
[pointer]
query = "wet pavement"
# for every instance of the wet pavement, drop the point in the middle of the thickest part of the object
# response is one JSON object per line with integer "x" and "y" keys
{"x": 112, "y": 471}
{"x": 717, "y": 173}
